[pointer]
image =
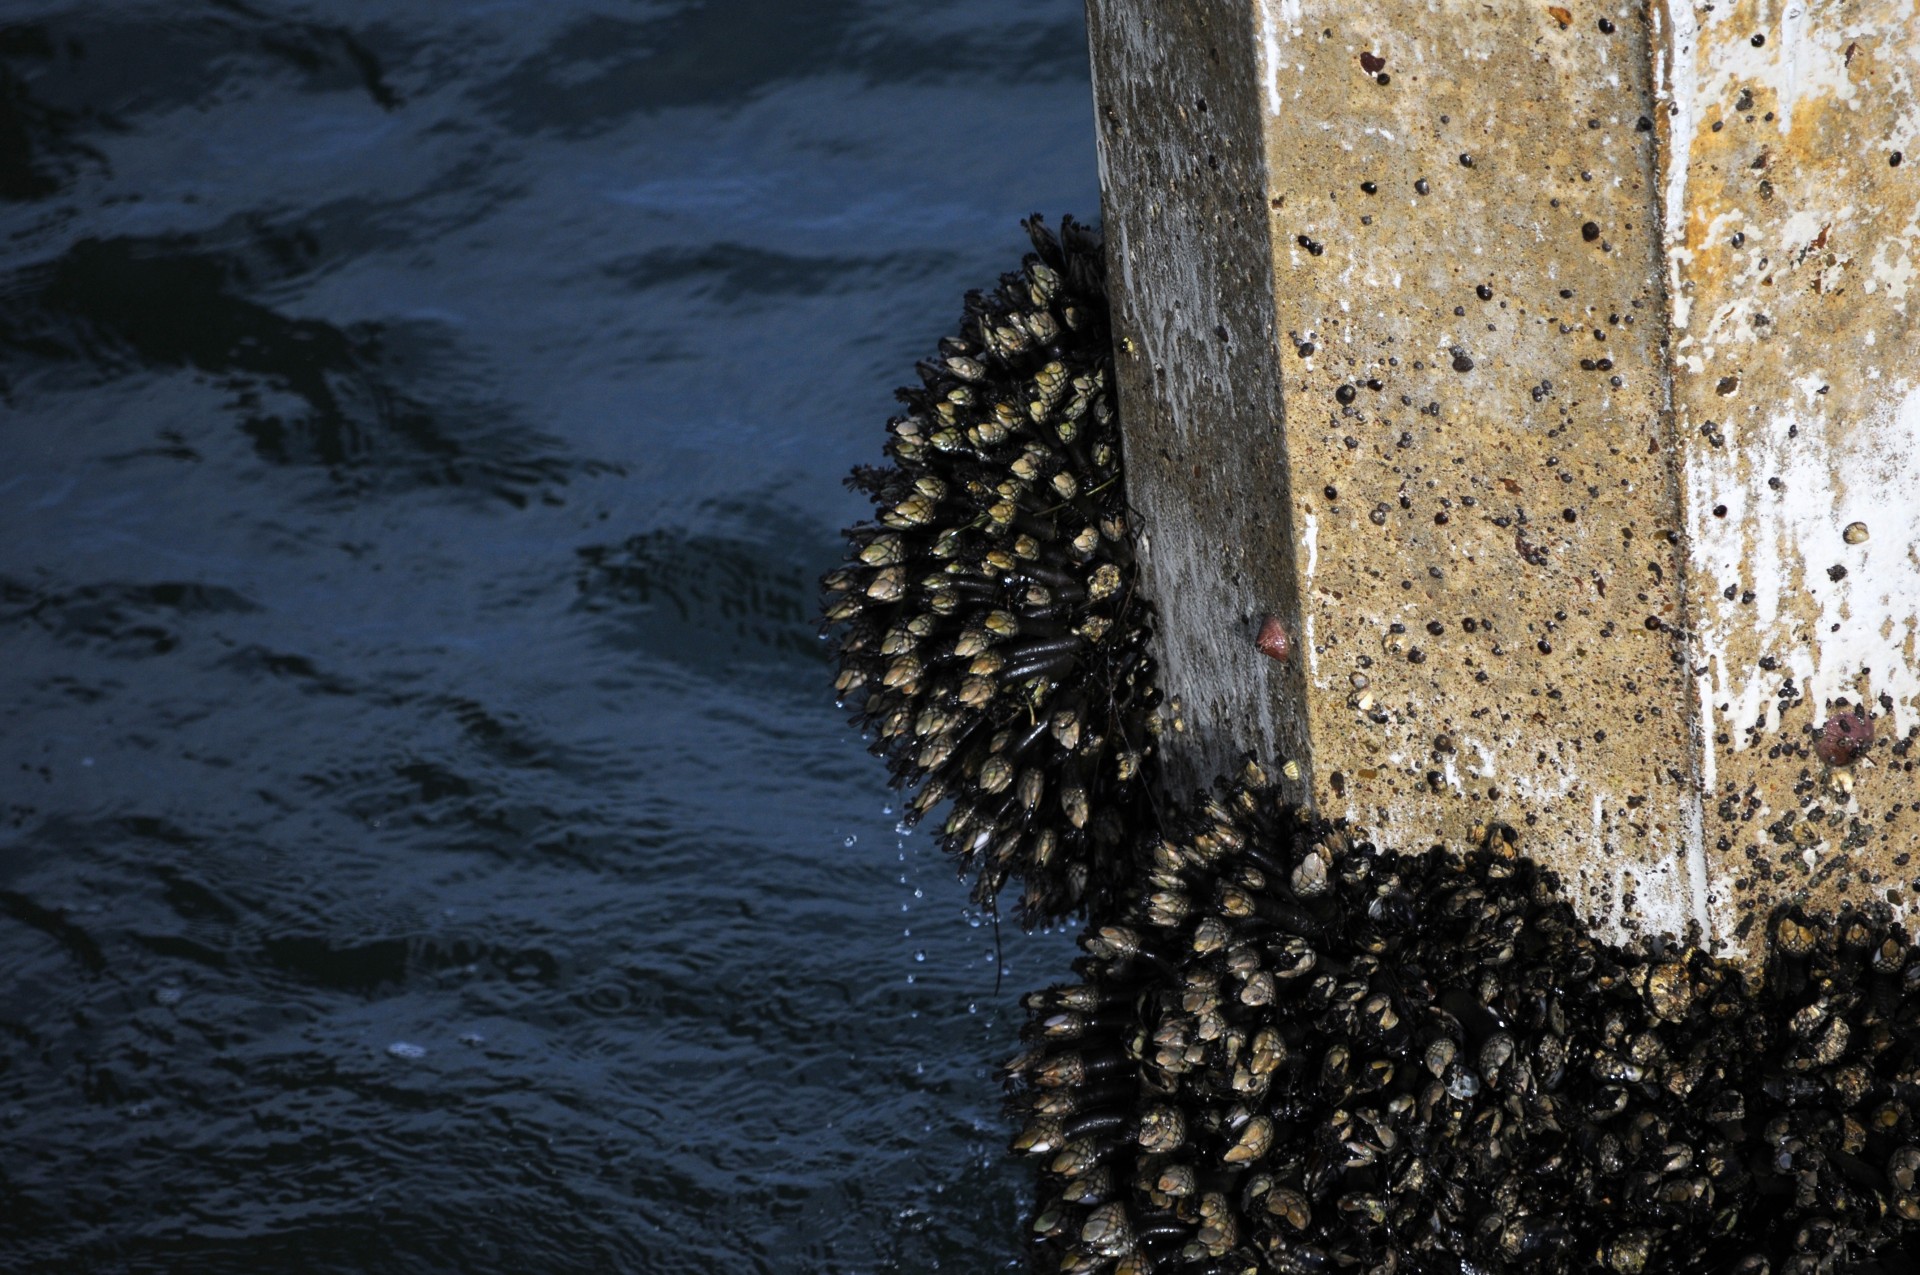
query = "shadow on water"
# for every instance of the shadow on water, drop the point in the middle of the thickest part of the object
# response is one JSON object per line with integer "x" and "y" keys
{"x": 127, "y": 620}
{"x": 744, "y": 277}
{"x": 599, "y": 70}
{"x": 323, "y": 52}
{"x": 100, "y": 66}
{"x": 707, "y": 601}
{"x": 39, "y": 149}
{"x": 119, "y": 306}
{"x": 62, "y": 79}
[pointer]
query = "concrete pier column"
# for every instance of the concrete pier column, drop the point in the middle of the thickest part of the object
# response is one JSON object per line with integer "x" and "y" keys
{"x": 1547, "y": 373}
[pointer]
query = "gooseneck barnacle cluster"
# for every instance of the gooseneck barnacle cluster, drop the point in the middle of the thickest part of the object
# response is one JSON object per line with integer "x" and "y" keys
{"x": 1299, "y": 1052}
{"x": 1287, "y": 1049}
{"x": 993, "y": 636}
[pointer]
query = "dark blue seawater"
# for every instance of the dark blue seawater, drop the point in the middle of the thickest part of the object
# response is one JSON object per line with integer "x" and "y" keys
{"x": 427, "y": 842}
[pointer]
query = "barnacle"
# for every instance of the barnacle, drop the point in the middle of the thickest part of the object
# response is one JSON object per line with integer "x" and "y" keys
{"x": 1289, "y": 1050}
{"x": 992, "y": 637}
{"x": 1299, "y": 1052}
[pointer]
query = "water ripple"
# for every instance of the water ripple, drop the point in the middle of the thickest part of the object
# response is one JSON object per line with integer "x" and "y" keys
{"x": 427, "y": 842}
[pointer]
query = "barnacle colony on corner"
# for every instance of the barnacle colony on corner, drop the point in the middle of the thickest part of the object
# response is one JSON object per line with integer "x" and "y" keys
{"x": 1298, "y": 1053}
{"x": 1288, "y": 1050}
{"x": 992, "y": 638}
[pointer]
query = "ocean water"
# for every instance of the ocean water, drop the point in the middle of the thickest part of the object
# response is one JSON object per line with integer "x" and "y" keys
{"x": 427, "y": 841}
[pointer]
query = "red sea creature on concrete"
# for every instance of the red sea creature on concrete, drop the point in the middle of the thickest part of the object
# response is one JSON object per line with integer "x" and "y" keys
{"x": 1274, "y": 640}
{"x": 1844, "y": 738}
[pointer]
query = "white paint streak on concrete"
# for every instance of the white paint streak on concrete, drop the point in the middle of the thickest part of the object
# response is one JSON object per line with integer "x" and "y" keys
{"x": 1676, "y": 78}
{"x": 1703, "y": 687}
{"x": 1663, "y": 898}
{"x": 1674, "y": 890}
{"x": 1693, "y": 839}
{"x": 1892, "y": 266}
{"x": 1270, "y": 49}
{"x": 1799, "y": 64}
{"x": 1311, "y": 534}
{"x": 1780, "y": 542}
{"x": 1559, "y": 788}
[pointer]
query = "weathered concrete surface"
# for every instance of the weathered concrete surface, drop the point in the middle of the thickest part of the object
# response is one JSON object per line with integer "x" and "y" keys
{"x": 1424, "y": 311}
{"x": 1791, "y": 260}
{"x": 1182, "y": 147}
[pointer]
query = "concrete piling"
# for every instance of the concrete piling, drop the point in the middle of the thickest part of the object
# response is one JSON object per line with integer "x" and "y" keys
{"x": 1542, "y": 378}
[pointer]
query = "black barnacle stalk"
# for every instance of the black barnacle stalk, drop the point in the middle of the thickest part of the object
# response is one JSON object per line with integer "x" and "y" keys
{"x": 1298, "y": 1053}
{"x": 991, "y": 635}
